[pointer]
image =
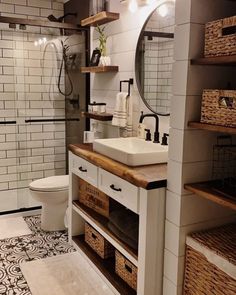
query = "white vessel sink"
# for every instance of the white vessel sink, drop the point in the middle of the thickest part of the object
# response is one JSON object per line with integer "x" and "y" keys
{"x": 132, "y": 151}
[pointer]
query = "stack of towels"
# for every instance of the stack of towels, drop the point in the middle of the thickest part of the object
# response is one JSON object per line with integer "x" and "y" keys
{"x": 122, "y": 116}
{"x": 125, "y": 225}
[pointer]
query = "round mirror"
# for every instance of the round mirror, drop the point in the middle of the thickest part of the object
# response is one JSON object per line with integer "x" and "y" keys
{"x": 154, "y": 59}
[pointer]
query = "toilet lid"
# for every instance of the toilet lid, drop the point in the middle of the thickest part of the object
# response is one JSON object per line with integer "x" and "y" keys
{"x": 52, "y": 183}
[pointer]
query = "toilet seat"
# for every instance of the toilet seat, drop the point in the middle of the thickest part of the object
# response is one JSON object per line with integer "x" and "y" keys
{"x": 51, "y": 184}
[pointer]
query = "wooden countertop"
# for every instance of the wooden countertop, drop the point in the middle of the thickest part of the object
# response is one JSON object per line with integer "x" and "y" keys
{"x": 147, "y": 177}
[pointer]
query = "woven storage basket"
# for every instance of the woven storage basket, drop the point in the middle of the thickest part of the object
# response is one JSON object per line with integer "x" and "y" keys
{"x": 126, "y": 270}
{"x": 211, "y": 262}
{"x": 98, "y": 243}
{"x": 219, "y": 107}
{"x": 93, "y": 198}
{"x": 220, "y": 37}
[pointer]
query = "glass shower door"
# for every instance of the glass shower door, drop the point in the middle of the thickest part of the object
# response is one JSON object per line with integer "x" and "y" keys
{"x": 8, "y": 121}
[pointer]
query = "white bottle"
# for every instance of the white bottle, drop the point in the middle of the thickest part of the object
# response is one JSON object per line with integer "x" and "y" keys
{"x": 141, "y": 130}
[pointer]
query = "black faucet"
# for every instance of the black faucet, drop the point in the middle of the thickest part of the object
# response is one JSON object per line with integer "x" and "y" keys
{"x": 156, "y": 133}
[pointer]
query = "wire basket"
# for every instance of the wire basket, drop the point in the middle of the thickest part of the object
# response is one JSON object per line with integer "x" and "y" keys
{"x": 224, "y": 166}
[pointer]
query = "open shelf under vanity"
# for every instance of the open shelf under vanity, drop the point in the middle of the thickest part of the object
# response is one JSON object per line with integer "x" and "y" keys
{"x": 106, "y": 267}
{"x": 96, "y": 219}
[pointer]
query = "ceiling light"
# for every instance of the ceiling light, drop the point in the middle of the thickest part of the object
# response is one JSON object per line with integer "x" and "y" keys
{"x": 163, "y": 10}
{"x": 133, "y": 6}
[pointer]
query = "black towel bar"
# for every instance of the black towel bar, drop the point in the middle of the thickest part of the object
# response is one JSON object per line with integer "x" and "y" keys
{"x": 130, "y": 82}
{"x": 7, "y": 122}
{"x": 51, "y": 120}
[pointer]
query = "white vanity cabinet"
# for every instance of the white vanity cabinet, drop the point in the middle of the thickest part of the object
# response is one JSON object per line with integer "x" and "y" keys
{"x": 149, "y": 204}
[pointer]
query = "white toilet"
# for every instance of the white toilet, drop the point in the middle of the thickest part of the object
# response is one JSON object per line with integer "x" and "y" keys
{"x": 53, "y": 193}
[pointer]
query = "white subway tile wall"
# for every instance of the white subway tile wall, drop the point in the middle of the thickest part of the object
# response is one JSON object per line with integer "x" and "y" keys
{"x": 158, "y": 59}
{"x": 29, "y": 151}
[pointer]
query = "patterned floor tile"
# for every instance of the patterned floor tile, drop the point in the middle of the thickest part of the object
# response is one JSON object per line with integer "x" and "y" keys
{"x": 38, "y": 245}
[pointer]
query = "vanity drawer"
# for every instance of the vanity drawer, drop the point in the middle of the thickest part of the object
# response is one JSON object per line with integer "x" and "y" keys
{"x": 85, "y": 170}
{"x": 120, "y": 190}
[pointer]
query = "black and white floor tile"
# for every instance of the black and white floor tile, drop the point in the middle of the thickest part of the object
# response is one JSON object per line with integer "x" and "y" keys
{"x": 38, "y": 245}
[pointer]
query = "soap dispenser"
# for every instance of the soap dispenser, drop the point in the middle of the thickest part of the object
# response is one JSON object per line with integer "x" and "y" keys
{"x": 141, "y": 130}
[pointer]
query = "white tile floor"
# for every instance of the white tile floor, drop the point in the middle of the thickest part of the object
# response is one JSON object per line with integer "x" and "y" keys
{"x": 14, "y": 250}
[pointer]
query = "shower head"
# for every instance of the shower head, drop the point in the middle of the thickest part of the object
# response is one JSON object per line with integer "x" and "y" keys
{"x": 52, "y": 18}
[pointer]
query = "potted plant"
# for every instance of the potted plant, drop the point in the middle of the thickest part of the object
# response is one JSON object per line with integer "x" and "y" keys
{"x": 104, "y": 59}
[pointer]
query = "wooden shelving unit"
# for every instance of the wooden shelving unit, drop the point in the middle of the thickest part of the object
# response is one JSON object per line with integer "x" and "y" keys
{"x": 102, "y": 223}
{"x": 100, "y": 19}
{"x": 215, "y": 61}
{"x": 99, "y": 69}
{"x": 106, "y": 267}
{"x": 100, "y": 117}
{"x": 210, "y": 127}
{"x": 206, "y": 190}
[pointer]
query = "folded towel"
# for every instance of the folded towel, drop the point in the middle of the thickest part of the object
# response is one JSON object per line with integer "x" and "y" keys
{"x": 120, "y": 112}
{"x": 123, "y": 237}
{"x": 126, "y": 221}
{"x": 123, "y": 113}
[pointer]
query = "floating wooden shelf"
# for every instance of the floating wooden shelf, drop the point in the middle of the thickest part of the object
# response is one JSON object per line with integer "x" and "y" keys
{"x": 100, "y": 19}
{"x": 205, "y": 190}
{"x": 215, "y": 61}
{"x": 102, "y": 223}
{"x": 105, "y": 266}
{"x": 99, "y": 117}
{"x": 210, "y": 127}
{"x": 99, "y": 69}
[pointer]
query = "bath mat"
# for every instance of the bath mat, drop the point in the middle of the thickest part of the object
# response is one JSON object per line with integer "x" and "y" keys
{"x": 11, "y": 227}
{"x": 67, "y": 274}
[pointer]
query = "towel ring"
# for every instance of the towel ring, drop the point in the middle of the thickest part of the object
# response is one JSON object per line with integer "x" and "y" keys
{"x": 130, "y": 82}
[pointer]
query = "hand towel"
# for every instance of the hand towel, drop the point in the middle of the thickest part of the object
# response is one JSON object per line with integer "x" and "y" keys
{"x": 120, "y": 112}
{"x": 123, "y": 113}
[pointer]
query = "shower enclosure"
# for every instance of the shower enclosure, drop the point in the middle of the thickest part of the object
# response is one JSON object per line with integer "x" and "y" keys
{"x": 42, "y": 94}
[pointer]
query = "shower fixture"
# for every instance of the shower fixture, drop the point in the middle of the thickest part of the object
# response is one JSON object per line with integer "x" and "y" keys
{"x": 52, "y": 18}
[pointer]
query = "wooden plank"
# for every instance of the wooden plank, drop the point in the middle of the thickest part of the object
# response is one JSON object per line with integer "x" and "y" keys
{"x": 217, "y": 60}
{"x": 100, "y": 117}
{"x": 102, "y": 222}
{"x": 99, "y": 69}
{"x": 214, "y": 128}
{"x": 106, "y": 267}
{"x": 205, "y": 190}
{"x": 100, "y": 18}
{"x": 40, "y": 23}
{"x": 147, "y": 177}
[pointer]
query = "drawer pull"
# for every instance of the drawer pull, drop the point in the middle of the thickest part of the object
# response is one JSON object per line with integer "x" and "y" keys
{"x": 115, "y": 189}
{"x": 82, "y": 170}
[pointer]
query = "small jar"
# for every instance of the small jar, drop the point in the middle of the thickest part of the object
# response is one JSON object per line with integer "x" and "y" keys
{"x": 95, "y": 107}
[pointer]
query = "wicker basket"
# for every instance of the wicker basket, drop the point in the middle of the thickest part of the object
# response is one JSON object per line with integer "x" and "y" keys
{"x": 220, "y": 37}
{"x": 93, "y": 198}
{"x": 126, "y": 270}
{"x": 219, "y": 107}
{"x": 98, "y": 243}
{"x": 211, "y": 262}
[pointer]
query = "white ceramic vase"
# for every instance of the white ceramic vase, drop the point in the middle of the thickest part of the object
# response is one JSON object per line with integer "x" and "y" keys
{"x": 105, "y": 61}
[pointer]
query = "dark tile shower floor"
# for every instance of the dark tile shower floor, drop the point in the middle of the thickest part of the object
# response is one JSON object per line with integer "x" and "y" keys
{"x": 39, "y": 244}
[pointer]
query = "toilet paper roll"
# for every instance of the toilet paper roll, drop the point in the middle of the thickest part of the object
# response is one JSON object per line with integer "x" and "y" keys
{"x": 66, "y": 218}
